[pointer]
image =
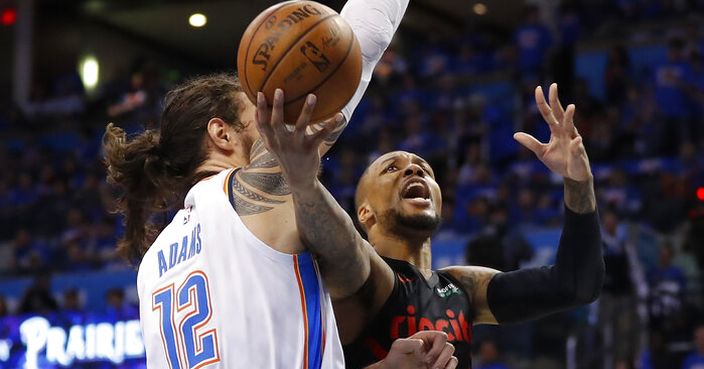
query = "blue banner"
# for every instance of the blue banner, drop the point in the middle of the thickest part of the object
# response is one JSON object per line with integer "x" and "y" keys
{"x": 71, "y": 340}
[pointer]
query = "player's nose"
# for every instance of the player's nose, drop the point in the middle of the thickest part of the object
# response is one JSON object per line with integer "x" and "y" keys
{"x": 413, "y": 169}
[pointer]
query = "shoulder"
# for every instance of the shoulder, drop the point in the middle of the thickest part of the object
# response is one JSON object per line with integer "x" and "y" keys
{"x": 461, "y": 272}
{"x": 473, "y": 279}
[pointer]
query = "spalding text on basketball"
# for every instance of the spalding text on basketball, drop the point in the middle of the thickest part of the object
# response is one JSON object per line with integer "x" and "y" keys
{"x": 263, "y": 54}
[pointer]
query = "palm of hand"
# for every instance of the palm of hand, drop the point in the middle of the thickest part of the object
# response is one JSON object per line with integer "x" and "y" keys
{"x": 564, "y": 154}
{"x": 296, "y": 152}
{"x": 559, "y": 158}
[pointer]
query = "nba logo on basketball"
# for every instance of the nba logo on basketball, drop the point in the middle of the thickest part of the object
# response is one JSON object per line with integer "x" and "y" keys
{"x": 313, "y": 54}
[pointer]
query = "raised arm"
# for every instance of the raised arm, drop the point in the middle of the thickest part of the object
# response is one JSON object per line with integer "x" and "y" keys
{"x": 374, "y": 23}
{"x": 260, "y": 187}
{"x": 357, "y": 278}
{"x": 578, "y": 273}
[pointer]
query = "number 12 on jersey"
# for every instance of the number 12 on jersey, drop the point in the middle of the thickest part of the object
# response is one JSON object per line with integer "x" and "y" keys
{"x": 181, "y": 321}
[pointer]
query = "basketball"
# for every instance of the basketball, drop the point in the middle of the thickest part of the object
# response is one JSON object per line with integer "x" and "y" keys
{"x": 302, "y": 47}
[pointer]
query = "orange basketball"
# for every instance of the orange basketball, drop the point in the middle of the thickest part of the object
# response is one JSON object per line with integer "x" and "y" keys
{"x": 301, "y": 47}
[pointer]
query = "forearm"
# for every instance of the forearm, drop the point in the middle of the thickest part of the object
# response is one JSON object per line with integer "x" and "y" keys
{"x": 374, "y": 22}
{"x": 575, "y": 278}
{"x": 579, "y": 196}
{"x": 330, "y": 234}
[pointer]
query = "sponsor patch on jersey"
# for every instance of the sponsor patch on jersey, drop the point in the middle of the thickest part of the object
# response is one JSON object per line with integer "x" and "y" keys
{"x": 448, "y": 290}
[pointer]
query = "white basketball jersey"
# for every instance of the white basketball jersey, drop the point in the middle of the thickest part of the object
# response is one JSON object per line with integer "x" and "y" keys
{"x": 212, "y": 295}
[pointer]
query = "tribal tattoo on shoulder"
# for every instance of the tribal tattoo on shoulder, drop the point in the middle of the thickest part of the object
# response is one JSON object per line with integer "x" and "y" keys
{"x": 260, "y": 186}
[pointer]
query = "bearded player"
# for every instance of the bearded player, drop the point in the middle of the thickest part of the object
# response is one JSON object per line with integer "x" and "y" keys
{"x": 384, "y": 288}
{"x": 220, "y": 287}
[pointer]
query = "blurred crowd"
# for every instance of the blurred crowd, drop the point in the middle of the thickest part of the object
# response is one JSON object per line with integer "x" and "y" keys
{"x": 456, "y": 102}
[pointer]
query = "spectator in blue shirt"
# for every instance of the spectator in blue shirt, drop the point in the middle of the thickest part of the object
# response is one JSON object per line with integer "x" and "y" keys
{"x": 671, "y": 80}
{"x": 533, "y": 41}
{"x": 667, "y": 289}
{"x": 695, "y": 360}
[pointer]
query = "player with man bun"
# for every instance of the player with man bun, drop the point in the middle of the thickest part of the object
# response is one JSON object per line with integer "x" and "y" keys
{"x": 228, "y": 282}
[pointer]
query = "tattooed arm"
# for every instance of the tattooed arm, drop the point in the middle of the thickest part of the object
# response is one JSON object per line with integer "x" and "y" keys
{"x": 358, "y": 279}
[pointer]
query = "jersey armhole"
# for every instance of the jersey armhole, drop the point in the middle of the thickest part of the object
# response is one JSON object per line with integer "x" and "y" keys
{"x": 393, "y": 296}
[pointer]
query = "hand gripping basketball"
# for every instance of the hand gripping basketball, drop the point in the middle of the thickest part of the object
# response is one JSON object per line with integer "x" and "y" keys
{"x": 296, "y": 151}
{"x": 302, "y": 47}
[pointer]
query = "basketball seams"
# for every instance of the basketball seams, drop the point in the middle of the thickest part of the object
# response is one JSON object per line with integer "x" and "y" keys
{"x": 249, "y": 45}
{"x": 322, "y": 82}
{"x": 291, "y": 45}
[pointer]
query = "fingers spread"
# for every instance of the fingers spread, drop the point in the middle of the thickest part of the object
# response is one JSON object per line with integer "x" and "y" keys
{"x": 568, "y": 121}
{"x": 555, "y": 104}
{"x": 262, "y": 115}
{"x": 306, "y": 112}
{"x": 277, "y": 112}
{"x": 530, "y": 142}
{"x": 545, "y": 109}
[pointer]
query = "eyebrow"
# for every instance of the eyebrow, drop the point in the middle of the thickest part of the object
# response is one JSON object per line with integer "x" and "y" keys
{"x": 393, "y": 158}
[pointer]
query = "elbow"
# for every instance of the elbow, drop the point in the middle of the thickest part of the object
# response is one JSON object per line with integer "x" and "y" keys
{"x": 581, "y": 295}
{"x": 589, "y": 289}
{"x": 587, "y": 296}
{"x": 373, "y": 40}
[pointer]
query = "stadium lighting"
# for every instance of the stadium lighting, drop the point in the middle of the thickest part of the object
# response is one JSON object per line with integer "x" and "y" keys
{"x": 197, "y": 20}
{"x": 479, "y": 9}
{"x": 89, "y": 71}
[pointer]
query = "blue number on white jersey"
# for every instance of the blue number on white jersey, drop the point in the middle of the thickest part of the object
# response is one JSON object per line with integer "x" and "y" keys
{"x": 201, "y": 348}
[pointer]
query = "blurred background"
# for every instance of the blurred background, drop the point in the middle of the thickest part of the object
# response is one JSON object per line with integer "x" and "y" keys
{"x": 456, "y": 83}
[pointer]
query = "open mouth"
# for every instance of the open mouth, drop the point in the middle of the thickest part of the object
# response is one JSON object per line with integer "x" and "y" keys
{"x": 416, "y": 189}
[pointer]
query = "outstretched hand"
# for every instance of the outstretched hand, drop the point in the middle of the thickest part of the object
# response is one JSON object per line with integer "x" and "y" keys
{"x": 296, "y": 151}
{"x": 564, "y": 154}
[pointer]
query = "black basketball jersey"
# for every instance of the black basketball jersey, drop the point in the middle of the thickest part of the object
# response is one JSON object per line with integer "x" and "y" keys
{"x": 416, "y": 304}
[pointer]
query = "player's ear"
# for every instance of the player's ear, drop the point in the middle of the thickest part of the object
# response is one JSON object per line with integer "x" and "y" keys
{"x": 219, "y": 134}
{"x": 366, "y": 216}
